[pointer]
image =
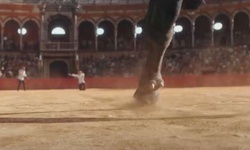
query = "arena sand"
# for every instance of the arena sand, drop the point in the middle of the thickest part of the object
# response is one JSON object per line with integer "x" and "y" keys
{"x": 109, "y": 119}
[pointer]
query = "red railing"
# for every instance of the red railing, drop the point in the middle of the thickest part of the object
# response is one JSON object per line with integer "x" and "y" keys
{"x": 131, "y": 82}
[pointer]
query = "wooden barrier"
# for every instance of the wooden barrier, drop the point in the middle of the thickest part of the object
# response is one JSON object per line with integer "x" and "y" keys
{"x": 68, "y": 83}
{"x": 129, "y": 82}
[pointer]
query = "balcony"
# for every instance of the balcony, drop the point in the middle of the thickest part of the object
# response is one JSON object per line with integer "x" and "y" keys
{"x": 59, "y": 46}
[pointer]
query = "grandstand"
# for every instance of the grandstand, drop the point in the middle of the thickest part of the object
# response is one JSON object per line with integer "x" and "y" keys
{"x": 205, "y": 105}
{"x": 105, "y": 38}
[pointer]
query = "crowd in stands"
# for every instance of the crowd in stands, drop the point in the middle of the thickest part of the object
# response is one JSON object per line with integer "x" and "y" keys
{"x": 86, "y": 45}
{"x": 208, "y": 61}
{"x": 10, "y": 64}
{"x": 106, "y": 65}
{"x": 216, "y": 60}
{"x": 107, "y": 44}
{"x": 221, "y": 60}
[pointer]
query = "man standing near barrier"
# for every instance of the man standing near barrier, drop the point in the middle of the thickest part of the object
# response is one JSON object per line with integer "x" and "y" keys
{"x": 81, "y": 79}
{"x": 21, "y": 78}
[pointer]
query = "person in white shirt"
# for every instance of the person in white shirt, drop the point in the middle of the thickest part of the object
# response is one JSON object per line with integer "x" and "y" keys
{"x": 81, "y": 79}
{"x": 21, "y": 78}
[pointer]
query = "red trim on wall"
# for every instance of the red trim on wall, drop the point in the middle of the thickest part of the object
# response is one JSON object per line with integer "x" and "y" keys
{"x": 130, "y": 82}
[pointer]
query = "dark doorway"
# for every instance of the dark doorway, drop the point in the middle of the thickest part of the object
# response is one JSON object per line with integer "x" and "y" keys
{"x": 58, "y": 69}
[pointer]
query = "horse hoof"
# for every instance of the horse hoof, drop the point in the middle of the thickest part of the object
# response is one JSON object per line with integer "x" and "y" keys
{"x": 148, "y": 91}
{"x": 152, "y": 86}
{"x": 162, "y": 84}
{"x": 146, "y": 98}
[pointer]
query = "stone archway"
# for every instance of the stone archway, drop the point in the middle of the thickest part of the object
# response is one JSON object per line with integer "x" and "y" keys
{"x": 106, "y": 40}
{"x": 58, "y": 69}
{"x": 61, "y": 23}
{"x": 86, "y": 36}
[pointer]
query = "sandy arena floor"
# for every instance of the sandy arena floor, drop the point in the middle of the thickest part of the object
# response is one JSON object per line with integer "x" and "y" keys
{"x": 97, "y": 119}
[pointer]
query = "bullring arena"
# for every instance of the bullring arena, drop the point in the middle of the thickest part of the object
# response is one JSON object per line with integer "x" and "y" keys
{"x": 187, "y": 117}
{"x": 204, "y": 104}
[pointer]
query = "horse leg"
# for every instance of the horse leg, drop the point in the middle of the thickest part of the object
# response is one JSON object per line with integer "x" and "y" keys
{"x": 158, "y": 29}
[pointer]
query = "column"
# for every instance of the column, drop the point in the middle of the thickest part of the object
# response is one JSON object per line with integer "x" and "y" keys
{"x": 116, "y": 33}
{"x": 96, "y": 38}
{"x": 232, "y": 32}
{"x": 76, "y": 42}
{"x": 212, "y": 33}
{"x": 21, "y": 38}
{"x": 42, "y": 31}
{"x": 193, "y": 30}
{"x": 2, "y": 38}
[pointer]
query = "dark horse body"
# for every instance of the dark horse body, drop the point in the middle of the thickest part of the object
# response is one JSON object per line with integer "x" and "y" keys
{"x": 158, "y": 30}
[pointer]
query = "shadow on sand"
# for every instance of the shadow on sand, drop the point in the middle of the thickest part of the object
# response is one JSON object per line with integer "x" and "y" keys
{"x": 127, "y": 106}
{"x": 106, "y": 119}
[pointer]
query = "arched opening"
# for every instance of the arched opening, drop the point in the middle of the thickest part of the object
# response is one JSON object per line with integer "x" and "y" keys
{"x": 86, "y": 36}
{"x": 106, "y": 40}
{"x": 31, "y": 38}
{"x": 241, "y": 28}
{"x": 58, "y": 31}
{"x": 184, "y": 37}
{"x": 125, "y": 35}
{"x": 140, "y": 43}
{"x": 222, "y": 36}
{"x": 202, "y": 31}
{"x": 62, "y": 23}
{"x": 11, "y": 37}
{"x": 58, "y": 69}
